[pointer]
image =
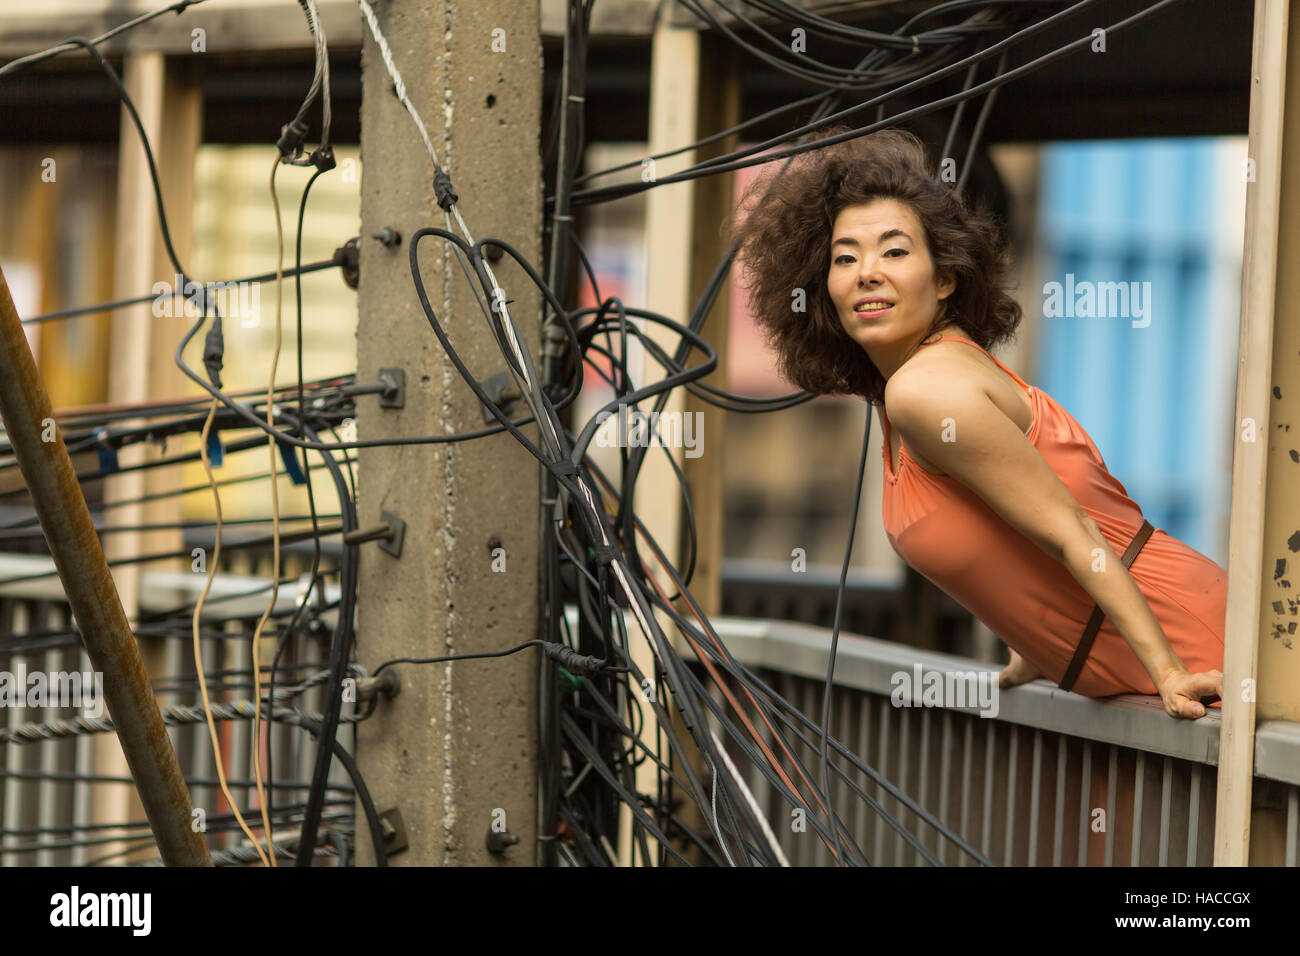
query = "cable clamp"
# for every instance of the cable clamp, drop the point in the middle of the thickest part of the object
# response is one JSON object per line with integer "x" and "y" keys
{"x": 563, "y": 468}
{"x": 216, "y": 455}
{"x": 443, "y": 191}
{"x": 107, "y": 453}
{"x": 916, "y": 45}
{"x": 323, "y": 158}
{"x": 606, "y": 554}
{"x": 292, "y": 135}
{"x": 292, "y": 467}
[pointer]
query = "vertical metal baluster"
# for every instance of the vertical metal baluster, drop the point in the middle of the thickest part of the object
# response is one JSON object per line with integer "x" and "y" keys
{"x": 986, "y": 833}
{"x": 237, "y": 660}
{"x": 84, "y": 760}
{"x": 205, "y": 763}
{"x": 1058, "y": 832}
{"x": 923, "y": 833}
{"x": 1292, "y": 824}
{"x": 1139, "y": 777}
{"x": 904, "y": 815}
{"x": 15, "y": 791}
{"x": 1193, "y": 815}
{"x": 945, "y": 761}
{"x": 1112, "y": 781}
{"x": 69, "y": 657}
{"x": 1009, "y": 837}
{"x": 1034, "y": 801}
{"x": 8, "y": 785}
{"x": 860, "y": 825}
{"x": 968, "y": 743}
{"x": 1085, "y": 798}
{"x": 173, "y": 661}
{"x": 845, "y": 796}
{"x": 45, "y": 789}
{"x": 1166, "y": 795}
{"x": 883, "y": 769}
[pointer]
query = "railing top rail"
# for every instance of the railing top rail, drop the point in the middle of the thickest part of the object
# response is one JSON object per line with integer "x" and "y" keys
{"x": 1131, "y": 720}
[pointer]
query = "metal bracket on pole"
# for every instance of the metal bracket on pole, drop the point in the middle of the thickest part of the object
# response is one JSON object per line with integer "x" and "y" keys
{"x": 503, "y": 392}
{"x": 394, "y": 830}
{"x": 394, "y": 396}
{"x": 390, "y": 534}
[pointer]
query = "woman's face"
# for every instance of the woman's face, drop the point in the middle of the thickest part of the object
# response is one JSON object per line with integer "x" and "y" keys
{"x": 881, "y": 276}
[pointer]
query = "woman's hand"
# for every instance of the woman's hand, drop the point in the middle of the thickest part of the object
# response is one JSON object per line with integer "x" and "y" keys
{"x": 1017, "y": 672}
{"x": 1182, "y": 692}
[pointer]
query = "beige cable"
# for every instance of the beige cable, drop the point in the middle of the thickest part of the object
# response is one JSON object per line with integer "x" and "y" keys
{"x": 198, "y": 648}
{"x": 275, "y": 510}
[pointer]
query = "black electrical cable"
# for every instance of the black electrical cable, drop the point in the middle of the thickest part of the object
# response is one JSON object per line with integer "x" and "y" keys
{"x": 835, "y": 628}
{"x": 13, "y": 66}
{"x": 727, "y": 163}
{"x": 314, "y": 578}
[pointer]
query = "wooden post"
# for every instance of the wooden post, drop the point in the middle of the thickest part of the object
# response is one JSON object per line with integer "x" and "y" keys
{"x": 140, "y": 360}
{"x": 1265, "y": 496}
{"x": 670, "y": 222}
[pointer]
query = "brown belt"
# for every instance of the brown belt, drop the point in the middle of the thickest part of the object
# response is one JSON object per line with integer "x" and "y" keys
{"x": 1094, "y": 622}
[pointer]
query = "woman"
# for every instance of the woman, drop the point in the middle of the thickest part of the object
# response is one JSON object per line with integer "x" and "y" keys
{"x": 871, "y": 277}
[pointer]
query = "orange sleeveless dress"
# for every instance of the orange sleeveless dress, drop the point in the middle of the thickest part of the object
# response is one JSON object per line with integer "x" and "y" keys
{"x": 947, "y": 533}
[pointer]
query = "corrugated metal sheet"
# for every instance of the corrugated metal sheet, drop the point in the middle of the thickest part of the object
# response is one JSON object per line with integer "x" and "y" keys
{"x": 1155, "y": 390}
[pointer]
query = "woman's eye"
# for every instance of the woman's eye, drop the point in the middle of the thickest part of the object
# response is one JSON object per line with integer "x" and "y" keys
{"x": 897, "y": 249}
{"x": 839, "y": 259}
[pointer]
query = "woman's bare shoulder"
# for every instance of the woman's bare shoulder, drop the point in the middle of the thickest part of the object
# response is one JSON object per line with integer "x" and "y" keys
{"x": 949, "y": 360}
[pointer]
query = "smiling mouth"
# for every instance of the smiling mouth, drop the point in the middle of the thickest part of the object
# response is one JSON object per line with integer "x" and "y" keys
{"x": 871, "y": 307}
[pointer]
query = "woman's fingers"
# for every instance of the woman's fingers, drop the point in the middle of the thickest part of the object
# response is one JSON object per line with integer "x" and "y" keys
{"x": 1182, "y": 695}
{"x": 1019, "y": 671}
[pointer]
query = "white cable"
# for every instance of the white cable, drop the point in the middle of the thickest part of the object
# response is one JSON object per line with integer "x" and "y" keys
{"x": 321, "y": 79}
{"x": 400, "y": 87}
{"x": 749, "y": 798}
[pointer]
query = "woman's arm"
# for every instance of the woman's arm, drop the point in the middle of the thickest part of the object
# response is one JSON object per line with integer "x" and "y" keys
{"x": 992, "y": 457}
{"x": 1118, "y": 595}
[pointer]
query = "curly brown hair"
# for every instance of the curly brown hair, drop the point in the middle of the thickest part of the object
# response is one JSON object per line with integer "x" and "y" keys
{"x": 783, "y": 229}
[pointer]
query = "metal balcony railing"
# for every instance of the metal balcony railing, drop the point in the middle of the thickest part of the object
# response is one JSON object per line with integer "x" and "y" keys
{"x": 59, "y": 798}
{"x": 1052, "y": 779}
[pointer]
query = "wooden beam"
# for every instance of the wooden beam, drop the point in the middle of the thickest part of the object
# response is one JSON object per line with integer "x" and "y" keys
{"x": 670, "y": 220}
{"x": 703, "y": 468}
{"x": 1250, "y": 468}
{"x": 140, "y": 363}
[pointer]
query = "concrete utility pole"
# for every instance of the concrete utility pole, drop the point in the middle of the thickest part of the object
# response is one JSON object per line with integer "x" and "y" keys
{"x": 455, "y": 752}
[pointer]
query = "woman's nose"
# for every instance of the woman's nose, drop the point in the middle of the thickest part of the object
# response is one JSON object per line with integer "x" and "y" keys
{"x": 869, "y": 274}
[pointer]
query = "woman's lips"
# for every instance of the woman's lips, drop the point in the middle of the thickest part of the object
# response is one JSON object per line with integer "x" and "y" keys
{"x": 871, "y": 314}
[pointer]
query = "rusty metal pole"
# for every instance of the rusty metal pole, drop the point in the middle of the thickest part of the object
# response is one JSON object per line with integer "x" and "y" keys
{"x": 65, "y": 520}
